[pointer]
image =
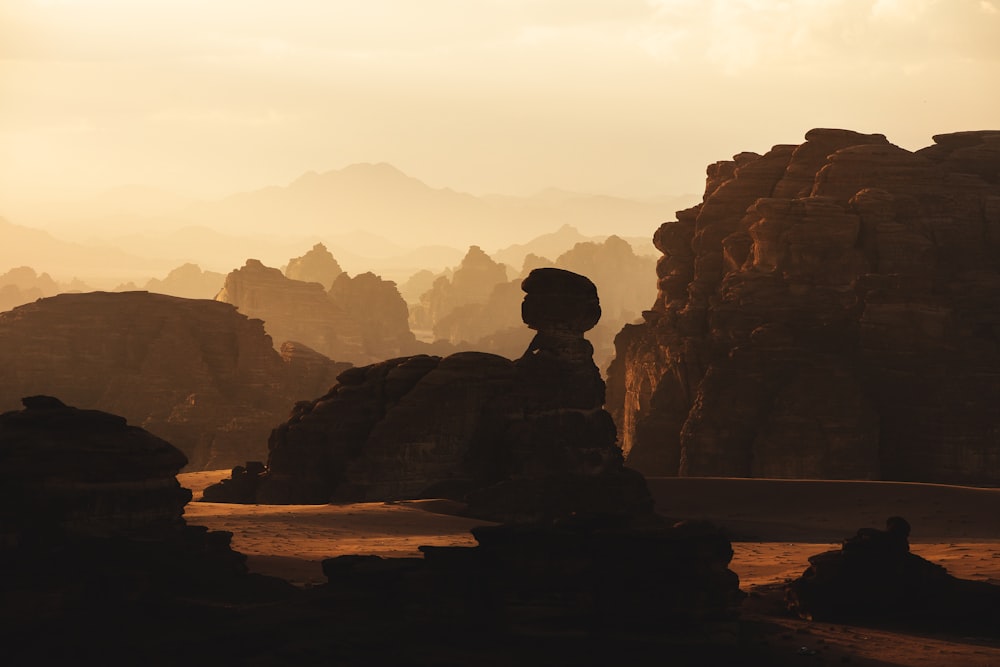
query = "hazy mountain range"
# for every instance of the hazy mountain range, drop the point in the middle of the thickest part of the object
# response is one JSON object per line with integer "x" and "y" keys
{"x": 370, "y": 216}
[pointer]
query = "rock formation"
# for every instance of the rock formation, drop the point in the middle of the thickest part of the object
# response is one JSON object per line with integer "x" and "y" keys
{"x": 874, "y": 577}
{"x": 470, "y": 284}
{"x": 360, "y": 320}
{"x": 380, "y": 312}
{"x": 193, "y": 371}
{"x": 485, "y": 317}
{"x": 828, "y": 310}
{"x": 188, "y": 281}
{"x": 426, "y": 425}
{"x": 316, "y": 266}
{"x": 92, "y": 518}
{"x": 23, "y": 285}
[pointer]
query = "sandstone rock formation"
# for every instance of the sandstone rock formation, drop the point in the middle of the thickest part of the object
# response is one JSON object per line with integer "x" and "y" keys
{"x": 193, "y": 371}
{"x": 91, "y": 525}
{"x": 316, "y": 266}
{"x": 530, "y": 437}
{"x": 23, "y": 285}
{"x": 828, "y": 310}
{"x": 359, "y": 320}
{"x": 874, "y": 577}
{"x": 471, "y": 283}
{"x": 485, "y": 318}
{"x": 188, "y": 281}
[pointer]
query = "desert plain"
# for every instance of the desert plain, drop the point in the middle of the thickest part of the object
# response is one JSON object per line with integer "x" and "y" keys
{"x": 774, "y": 525}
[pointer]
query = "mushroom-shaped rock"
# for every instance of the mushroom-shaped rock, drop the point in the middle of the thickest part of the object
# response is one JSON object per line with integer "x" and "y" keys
{"x": 559, "y": 300}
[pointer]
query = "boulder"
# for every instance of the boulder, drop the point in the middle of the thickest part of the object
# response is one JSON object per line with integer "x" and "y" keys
{"x": 875, "y": 577}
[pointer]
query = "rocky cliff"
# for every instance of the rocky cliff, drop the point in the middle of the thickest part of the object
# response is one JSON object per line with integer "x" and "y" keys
{"x": 829, "y": 309}
{"x": 195, "y": 372}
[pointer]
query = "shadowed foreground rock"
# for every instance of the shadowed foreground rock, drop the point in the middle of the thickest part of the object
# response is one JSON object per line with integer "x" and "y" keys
{"x": 91, "y": 521}
{"x": 875, "y": 578}
{"x": 589, "y": 576}
{"x": 521, "y": 440}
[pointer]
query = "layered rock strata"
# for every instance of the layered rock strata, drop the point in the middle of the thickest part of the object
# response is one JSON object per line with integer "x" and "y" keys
{"x": 92, "y": 519}
{"x": 195, "y": 372}
{"x": 827, "y": 310}
{"x": 530, "y": 437}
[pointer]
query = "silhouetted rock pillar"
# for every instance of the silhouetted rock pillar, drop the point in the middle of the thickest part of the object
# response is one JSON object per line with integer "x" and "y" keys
{"x": 560, "y": 442}
{"x": 563, "y": 427}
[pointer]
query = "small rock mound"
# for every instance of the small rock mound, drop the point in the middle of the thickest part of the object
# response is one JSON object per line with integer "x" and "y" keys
{"x": 874, "y": 577}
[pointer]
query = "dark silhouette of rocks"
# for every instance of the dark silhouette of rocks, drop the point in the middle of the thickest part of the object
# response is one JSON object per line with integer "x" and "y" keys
{"x": 92, "y": 520}
{"x": 188, "y": 281}
{"x": 828, "y": 310}
{"x": 529, "y": 437}
{"x": 359, "y": 320}
{"x": 874, "y": 577}
{"x": 193, "y": 371}
{"x": 316, "y": 266}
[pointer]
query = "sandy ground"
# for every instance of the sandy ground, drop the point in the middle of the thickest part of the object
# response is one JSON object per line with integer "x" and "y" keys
{"x": 774, "y": 524}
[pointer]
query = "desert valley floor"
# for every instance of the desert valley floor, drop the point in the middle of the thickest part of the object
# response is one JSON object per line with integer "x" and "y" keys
{"x": 774, "y": 525}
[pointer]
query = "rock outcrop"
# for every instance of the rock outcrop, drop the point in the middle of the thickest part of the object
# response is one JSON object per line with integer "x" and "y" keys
{"x": 92, "y": 519}
{"x": 481, "y": 313}
{"x": 195, "y": 372}
{"x": 470, "y": 284}
{"x": 188, "y": 281}
{"x": 875, "y": 577}
{"x": 359, "y": 320}
{"x": 828, "y": 310}
{"x": 530, "y": 436}
{"x": 23, "y": 285}
{"x": 316, "y": 266}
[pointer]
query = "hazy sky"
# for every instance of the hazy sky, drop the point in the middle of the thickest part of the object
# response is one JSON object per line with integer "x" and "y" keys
{"x": 632, "y": 97}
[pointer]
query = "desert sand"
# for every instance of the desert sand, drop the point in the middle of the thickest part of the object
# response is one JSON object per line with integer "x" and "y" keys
{"x": 775, "y": 525}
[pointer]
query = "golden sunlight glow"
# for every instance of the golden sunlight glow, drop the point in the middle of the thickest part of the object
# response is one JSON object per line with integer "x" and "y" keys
{"x": 626, "y": 97}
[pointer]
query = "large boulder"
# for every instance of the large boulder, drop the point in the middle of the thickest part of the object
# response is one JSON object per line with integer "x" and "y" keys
{"x": 827, "y": 310}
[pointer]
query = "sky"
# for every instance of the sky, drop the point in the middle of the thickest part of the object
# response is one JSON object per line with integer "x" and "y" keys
{"x": 623, "y": 97}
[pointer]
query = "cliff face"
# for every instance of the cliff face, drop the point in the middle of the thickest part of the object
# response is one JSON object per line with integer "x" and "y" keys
{"x": 195, "y": 372}
{"x": 828, "y": 310}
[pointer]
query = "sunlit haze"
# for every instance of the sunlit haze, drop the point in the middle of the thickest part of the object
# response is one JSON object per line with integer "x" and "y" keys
{"x": 628, "y": 97}
{"x": 200, "y": 100}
